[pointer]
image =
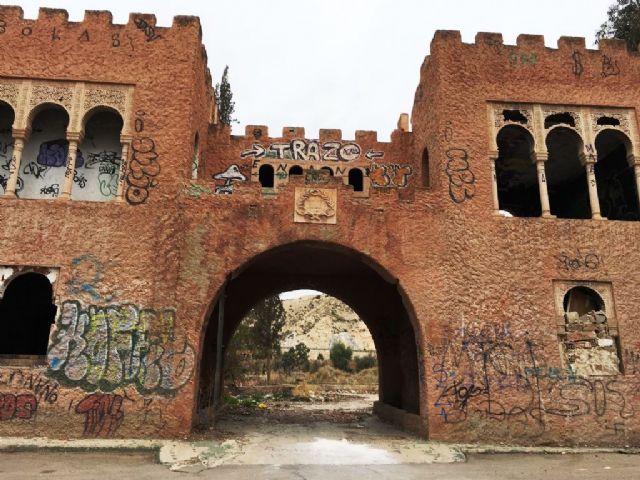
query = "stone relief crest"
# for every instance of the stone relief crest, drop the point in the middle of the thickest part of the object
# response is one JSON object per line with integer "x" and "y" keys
{"x": 315, "y": 205}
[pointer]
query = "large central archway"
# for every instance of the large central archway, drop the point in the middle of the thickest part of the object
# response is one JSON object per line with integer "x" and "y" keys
{"x": 345, "y": 274}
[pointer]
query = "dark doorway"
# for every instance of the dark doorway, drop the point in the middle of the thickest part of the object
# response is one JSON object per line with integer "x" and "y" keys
{"x": 26, "y": 315}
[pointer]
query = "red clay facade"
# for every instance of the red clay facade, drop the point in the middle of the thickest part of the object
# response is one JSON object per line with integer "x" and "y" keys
{"x": 491, "y": 248}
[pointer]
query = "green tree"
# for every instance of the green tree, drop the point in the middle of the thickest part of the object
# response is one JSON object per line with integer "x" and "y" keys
{"x": 224, "y": 99}
{"x": 340, "y": 356}
{"x": 623, "y": 21}
{"x": 296, "y": 358}
{"x": 269, "y": 319}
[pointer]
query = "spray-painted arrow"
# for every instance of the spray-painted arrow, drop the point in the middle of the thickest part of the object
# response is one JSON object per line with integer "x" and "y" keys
{"x": 257, "y": 151}
{"x": 371, "y": 154}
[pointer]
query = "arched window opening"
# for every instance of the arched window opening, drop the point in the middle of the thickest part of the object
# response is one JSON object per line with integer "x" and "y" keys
{"x": 99, "y": 158}
{"x": 44, "y": 159}
{"x": 559, "y": 119}
{"x": 327, "y": 169}
{"x": 265, "y": 176}
{"x": 195, "y": 160}
{"x": 615, "y": 177}
{"x": 582, "y": 300}
{"x": 516, "y": 175}
{"x": 356, "y": 179}
{"x": 426, "y": 179}
{"x": 296, "y": 170}
{"x": 26, "y": 315}
{"x": 566, "y": 176}
{"x": 6, "y": 144}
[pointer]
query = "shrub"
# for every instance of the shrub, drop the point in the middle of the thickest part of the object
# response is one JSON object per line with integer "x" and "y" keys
{"x": 368, "y": 361}
{"x": 340, "y": 356}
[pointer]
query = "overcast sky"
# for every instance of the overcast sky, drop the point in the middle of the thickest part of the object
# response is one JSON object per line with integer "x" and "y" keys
{"x": 348, "y": 64}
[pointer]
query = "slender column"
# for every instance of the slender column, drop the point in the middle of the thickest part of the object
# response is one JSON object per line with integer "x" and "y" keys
{"x": 124, "y": 161}
{"x": 589, "y": 164}
{"x": 70, "y": 172}
{"x": 494, "y": 184}
{"x": 636, "y": 169}
{"x": 19, "y": 139}
{"x": 540, "y": 158}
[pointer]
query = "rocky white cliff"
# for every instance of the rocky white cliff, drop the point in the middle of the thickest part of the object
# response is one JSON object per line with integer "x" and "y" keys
{"x": 319, "y": 321}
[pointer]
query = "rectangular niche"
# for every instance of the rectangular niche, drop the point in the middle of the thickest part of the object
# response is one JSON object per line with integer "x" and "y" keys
{"x": 587, "y": 327}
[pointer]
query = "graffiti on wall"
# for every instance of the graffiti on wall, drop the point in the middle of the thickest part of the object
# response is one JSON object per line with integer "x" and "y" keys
{"x": 579, "y": 260}
{"x": 22, "y": 406}
{"x": 230, "y": 176}
{"x": 111, "y": 346}
{"x": 389, "y": 175}
{"x": 484, "y": 370}
{"x": 103, "y": 414}
{"x": 143, "y": 170}
{"x": 311, "y": 150}
{"x": 461, "y": 178}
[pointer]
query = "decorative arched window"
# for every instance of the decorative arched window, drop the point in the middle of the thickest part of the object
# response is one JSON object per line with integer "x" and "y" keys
{"x": 26, "y": 315}
{"x": 566, "y": 175}
{"x": 7, "y": 117}
{"x": 265, "y": 176}
{"x": 356, "y": 179}
{"x": 98, "y": 160}
{"x": 328, "y": 169}
{"x": 615, "y": 177}
{"x": 44, "y": 160}
{"x": 426, "y": 178}
{"x": 516, "y": 176}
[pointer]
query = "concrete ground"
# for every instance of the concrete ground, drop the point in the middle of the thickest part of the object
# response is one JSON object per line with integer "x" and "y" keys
{"x": 283, "y": 441}
{"x": 142, "y": 466}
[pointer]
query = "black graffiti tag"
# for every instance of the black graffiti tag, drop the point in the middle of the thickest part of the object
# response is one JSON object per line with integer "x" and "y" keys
{"x": 461, "y": 178}
{"x": 143, "y": 169}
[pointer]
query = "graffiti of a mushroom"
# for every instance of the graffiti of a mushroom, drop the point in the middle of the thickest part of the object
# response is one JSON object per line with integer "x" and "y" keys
{"x": 230, "y": 175}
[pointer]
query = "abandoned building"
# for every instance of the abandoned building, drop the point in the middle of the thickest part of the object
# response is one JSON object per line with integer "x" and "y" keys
{"x": 491, "y": 247}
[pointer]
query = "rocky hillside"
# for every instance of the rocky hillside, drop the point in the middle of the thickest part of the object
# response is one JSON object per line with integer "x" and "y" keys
{"x": 319, "y": 321}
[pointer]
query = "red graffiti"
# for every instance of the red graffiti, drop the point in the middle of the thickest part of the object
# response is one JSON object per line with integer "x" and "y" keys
{"x": 17, "y": 406}
{"x": 103, "y": 414}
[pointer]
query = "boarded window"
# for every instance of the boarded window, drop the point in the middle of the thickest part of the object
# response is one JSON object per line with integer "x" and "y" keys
{"x": 99, "y": 158}
{"x": 6, "y": 144}
{"x": 44, "y": 159}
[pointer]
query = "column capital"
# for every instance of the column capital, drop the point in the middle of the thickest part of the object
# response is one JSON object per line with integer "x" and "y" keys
{"x": 21, "y": 133}
{"x": 540, "y": 156}
{"x": 75, "y": 136}
{"x": 126, "y": 139}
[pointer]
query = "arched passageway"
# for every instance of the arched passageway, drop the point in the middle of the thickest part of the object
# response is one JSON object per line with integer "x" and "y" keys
{"x": 340, "y": 272}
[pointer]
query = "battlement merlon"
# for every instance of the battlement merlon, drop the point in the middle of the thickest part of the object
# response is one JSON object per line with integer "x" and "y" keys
{"x": 53, "y": 23}
{"x": 449, "y": 38}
